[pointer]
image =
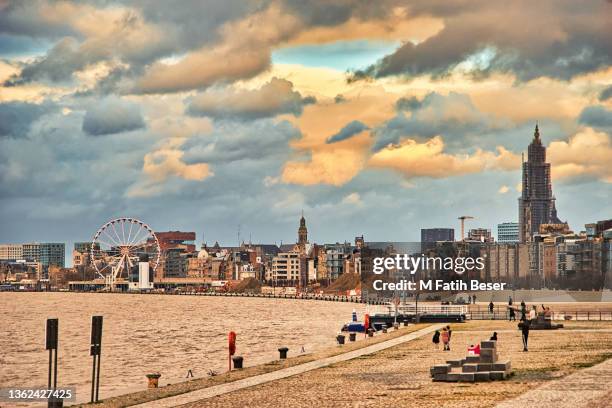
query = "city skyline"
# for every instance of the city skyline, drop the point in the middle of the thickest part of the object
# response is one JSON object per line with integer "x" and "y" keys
{"x": 372, "y": 121}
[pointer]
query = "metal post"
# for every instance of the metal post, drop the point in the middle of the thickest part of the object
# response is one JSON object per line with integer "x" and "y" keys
{"x": 50, "y": 367}
{"x": 93, "y": 379}
{"x": 98, "y": 374}
{"x": 55, "y": 371}
{"x": 96, "y": 351}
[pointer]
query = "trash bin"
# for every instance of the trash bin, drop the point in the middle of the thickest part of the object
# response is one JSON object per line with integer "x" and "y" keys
{"x": 237, "y": 362}
{"x": 283, "y": 352}
{"x": 352, "y": 336}
{"x": 370, "y": 332}
{"x": 340, "y": 338}
{"x": 153, "y": 380}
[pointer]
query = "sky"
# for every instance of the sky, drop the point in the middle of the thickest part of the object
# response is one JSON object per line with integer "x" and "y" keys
{"x": 230, "y": 118}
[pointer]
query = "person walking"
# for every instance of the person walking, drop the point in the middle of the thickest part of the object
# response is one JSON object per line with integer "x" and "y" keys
{"x": 491, "y": 306}
{"x": 525, "y": 333}
{"x": 473, "y": 299}
{"x": 450, "y": 332}
{"x": 436, "y": 339}
{"x": 509, "y": 300}
{"x": 523, "y": 311}
{"x": 512, "y": 315}
{"x": 445, "y": 339}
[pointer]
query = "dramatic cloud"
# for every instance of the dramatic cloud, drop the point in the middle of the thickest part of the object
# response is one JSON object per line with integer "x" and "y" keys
{"x": 454, "y": 114}
{"x": 33, "y": 19}
{"x": 100, "y": 35}
{"x": 193, "y": 127}
{"x": 336, "y": 164}
{"x": 273, "y": 98}
{"x": 234, "y": 142}
{"x": 244, "y": 51}
{"x": 162, "y": 164}
{"x": 16, "y": 118}
{"x": 587, "y": 155}
{"x": 339, "y": 162}
{"x": 428, "y": 159}
{"x": 112, "y": 115}
{"x": 548, "y": 38}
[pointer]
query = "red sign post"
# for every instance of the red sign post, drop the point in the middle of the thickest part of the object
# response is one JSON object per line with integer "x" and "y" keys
{"x": 366, "y": 323}
{"x": 232, "y": 347}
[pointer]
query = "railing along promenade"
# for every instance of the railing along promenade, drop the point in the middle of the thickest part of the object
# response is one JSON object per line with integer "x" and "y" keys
{"x": 472, "y": 312}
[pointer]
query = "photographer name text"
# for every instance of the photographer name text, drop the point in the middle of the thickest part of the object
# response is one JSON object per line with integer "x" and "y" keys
{"x": 437, "y": 285}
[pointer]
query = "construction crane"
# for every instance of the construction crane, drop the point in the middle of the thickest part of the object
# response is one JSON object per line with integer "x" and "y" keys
{"x": 463, "y": 218}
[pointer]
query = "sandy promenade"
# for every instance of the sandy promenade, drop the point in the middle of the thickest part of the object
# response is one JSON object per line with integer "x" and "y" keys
{"x": 399, "y": 376}
{"x": 223, "y": 378}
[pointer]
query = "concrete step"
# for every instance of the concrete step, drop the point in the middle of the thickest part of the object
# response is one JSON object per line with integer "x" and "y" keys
{"x": 455, "y": 363}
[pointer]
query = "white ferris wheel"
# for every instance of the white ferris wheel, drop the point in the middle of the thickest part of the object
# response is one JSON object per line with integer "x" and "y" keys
{"x": 120, "y": 244}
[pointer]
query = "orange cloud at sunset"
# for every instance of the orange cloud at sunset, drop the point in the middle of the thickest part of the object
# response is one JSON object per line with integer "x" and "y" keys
{"x": 413, "y": 159}
{"x": 243, "y": 53}
{"x": 337, "y": 163}
{"x": 587, "y": 153}
{"x": 334, "y": 164}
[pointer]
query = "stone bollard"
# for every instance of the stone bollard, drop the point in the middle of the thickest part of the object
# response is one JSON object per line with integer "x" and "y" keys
{"x": 153, "y": 380}
{"x": 352, "y": 336}
{"x": 396, "y": 326}
{"x": 370, "y": 332}
{"x": 405, "y": 323}
{"x": 340, "y": 338}
{"x": 283, "y": 352}
{"x": 237, "y": 362}
{"x": 384, "y": 330}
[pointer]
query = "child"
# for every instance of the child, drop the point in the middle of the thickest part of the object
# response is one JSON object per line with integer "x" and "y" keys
{"x": 436, "y": 339}
{"x": 494, "y": 337}
{"x": 445, "y": 339}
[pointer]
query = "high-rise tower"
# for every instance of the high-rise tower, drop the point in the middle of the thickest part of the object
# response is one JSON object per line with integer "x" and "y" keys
{"x": 302, "y": 231}
{"x": 537, "y": 203}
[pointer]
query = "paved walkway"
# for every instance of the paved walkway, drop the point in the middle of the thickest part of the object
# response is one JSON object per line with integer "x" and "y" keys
{"x": 216, "y": 390}
{"x": 587, "y": 388}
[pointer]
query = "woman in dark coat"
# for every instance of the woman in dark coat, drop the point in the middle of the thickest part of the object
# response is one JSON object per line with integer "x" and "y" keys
{"x": 436, "y": 339}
